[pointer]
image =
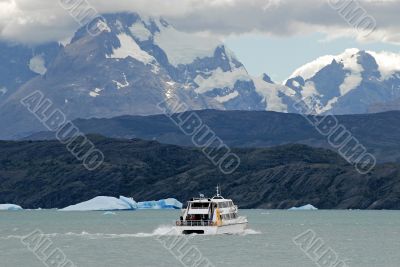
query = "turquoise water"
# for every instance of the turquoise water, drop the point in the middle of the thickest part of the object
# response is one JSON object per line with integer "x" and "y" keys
{"x": 359, "y": 238}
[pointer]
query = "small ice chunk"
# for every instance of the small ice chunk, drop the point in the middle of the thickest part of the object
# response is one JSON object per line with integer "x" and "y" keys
{"x": 306, "y": 207}
{"x": 109, "y": 213}
{"x": 295, "y": 83}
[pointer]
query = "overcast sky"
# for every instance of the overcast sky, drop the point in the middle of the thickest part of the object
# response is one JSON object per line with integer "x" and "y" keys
{"x": 273, "y": 36}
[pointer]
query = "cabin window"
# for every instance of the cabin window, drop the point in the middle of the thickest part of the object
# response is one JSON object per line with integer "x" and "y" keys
{"x": 199, "y": 205}
{"x": 223, "y": 205}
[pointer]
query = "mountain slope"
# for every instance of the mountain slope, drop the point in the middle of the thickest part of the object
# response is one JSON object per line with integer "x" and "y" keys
{"x": 136, "y": 63}
{"x": 21, "y": 63}
{"x": 45, "y": 174}
{"x": 133, "y": 65}
{"x": 379, "y": 133}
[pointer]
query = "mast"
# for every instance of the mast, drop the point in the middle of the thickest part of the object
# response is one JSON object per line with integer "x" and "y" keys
{"x": 218, "y": 191}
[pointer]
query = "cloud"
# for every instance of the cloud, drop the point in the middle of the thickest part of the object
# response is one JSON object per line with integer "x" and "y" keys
{"x": 46, "y": 20}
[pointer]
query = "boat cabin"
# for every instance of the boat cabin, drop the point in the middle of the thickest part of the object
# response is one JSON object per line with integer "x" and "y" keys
{"x": 208, "y": 211}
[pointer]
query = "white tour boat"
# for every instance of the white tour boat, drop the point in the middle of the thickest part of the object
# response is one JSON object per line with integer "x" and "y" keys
{"x": 211, "y": 216}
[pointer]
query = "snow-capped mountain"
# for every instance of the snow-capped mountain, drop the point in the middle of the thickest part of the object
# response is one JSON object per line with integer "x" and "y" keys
{"x": 134, "y": 64}
{"x": 276, "y": 97}
{"x": 352, "y": 82}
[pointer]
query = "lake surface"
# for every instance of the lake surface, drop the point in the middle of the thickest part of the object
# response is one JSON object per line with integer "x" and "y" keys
{"x": 358, "y": 238}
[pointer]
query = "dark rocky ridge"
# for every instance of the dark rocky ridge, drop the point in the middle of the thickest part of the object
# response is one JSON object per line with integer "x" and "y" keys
{"x": 379, "y": 133}
{"x": 44, "y": 174}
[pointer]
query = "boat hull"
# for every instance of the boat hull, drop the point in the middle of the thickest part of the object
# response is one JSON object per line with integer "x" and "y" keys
{"x": 236, "y": 228}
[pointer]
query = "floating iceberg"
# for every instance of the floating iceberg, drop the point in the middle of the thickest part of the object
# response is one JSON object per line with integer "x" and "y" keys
{"x": 129, "y": 201}
{"x": 104, "y": 204}
{"x": 306, "y": 207}
{"x": 10, "y": 207}
{"x": 169, "y": 203}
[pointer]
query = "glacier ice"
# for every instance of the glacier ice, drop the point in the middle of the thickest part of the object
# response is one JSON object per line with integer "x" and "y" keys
{"x": 100, "y": 203}
{"x": 10, "y": 207}
{"x": 129, "y": 201}
{"x": 103, "y": 203}
{"x": 169, "y": 203}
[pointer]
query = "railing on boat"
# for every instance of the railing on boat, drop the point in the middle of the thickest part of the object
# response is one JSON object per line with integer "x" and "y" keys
{"x": 195, "y": 223}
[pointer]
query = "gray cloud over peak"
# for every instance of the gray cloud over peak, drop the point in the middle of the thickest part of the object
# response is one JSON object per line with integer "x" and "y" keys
{"x": 33, "y": 21}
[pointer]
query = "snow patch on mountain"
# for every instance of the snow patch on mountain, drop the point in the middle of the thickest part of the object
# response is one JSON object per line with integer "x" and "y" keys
{"x": 308, "y": 70}
{"x": 184, "y": 48}
{"x": 220, "y": 79}
{"x": 271, "y": 94}
{"x": 353, "y": 78}
{"x": 128, "y": 47}
{"x": 140, "y": 31}
{"x": 295, "y": 83}
{"x": 309, "y": 90}
{"x": 102, "y": 26}
{"x": 95, "y": 92}
{"x": 226, "y": 98}
{"x": 37, "y": 65}
{"x": 123, "y": 84}
{"x": 3, "y": 91}
{"x": 388, "y": 63}
{"x": 328, "y": 105}
{"x": 66, "y": 41}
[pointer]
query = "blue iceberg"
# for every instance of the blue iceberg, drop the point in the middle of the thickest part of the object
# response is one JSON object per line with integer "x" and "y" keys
{"x": 129, "y": 201}
{"x": 169, "y": 203}
{"x": 103, "y": 203}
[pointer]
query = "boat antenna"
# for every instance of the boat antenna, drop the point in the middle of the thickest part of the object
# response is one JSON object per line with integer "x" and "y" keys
{"x": 218, "y": 191}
